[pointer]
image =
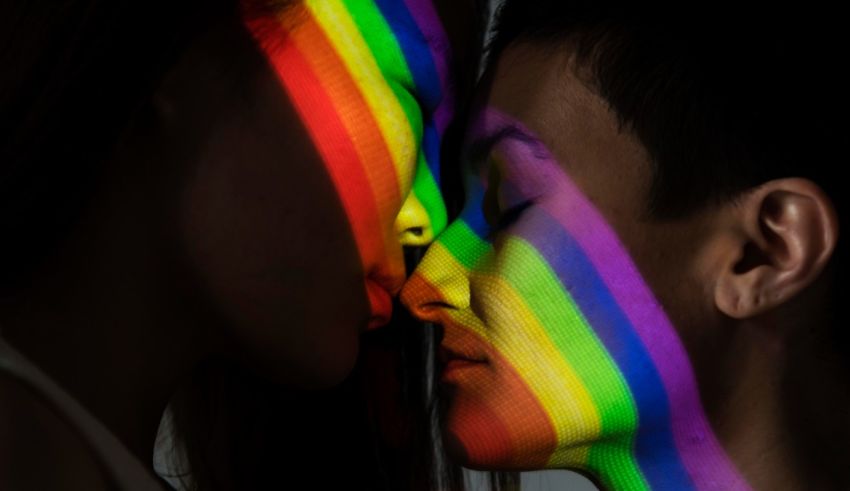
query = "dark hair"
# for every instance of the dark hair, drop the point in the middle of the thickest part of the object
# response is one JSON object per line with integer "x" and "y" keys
{"x": 722, "y": 99}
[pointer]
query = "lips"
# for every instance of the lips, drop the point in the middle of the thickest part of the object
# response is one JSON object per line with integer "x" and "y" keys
{"x": 380, "y": 303}
{"x": 459, "y": 352}
{"x": 449, "y": 354}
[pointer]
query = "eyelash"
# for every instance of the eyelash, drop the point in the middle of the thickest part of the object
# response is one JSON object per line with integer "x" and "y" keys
{"x": 497, "y": 218}
{"x": 506, "y": 218}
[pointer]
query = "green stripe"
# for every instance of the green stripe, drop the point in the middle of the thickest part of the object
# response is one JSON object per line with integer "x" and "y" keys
{"x": 532, "y": 278}
{"x": 617, "y": 466}
{"x": 387, "y": 52}
{"x": 389, "y": 56}
{"x": 381, "y": 40}
{"x": 428, "y": 193}
{"x": 462, "y": 243}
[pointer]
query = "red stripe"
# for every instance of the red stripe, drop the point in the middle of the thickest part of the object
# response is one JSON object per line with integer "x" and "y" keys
{"x": 493, "y": 416}
{"x": 328, "y": 133}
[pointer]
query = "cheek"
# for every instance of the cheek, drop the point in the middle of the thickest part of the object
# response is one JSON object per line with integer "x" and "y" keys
{"x": 536, "y": 327}
{"x": 268, "y": 240}
{"x": 558, "y": 328}
{"x": 495, "y": 421}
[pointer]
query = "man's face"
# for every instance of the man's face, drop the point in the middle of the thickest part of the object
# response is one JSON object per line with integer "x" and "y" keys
{"x": 558, "y": 352}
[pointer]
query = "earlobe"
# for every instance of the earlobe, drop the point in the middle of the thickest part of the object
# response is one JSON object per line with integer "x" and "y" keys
{"x": 785, "y": 232}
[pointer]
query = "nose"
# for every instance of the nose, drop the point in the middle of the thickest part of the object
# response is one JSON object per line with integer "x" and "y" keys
{"x": 413, "y": 225}
{"x": 439, "y": 282}
{"x": 423, "y": 213}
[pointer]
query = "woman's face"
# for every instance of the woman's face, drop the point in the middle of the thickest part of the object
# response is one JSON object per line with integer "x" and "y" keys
{"x": 557, "y": 352}
{"x": 312, "y": 171}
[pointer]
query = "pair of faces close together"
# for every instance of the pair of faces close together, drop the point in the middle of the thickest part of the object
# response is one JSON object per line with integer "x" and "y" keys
{"x": 638, "y": 284}
{"x": 585, "y": 327}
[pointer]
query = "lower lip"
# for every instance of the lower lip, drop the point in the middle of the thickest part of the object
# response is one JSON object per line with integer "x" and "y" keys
{"x": 381, "y": 303}
{"x": 456, "y": 366}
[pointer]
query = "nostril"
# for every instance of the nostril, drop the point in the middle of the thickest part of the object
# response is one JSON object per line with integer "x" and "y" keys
{"x": 431, "y": 307}
{"x": 417, "y": 236}
{"x": 430, "y": 311}
{"x": 422, "y": 300}
{"x": 413, "y": 223}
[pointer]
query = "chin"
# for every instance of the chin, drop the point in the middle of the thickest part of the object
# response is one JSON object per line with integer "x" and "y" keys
{"x": 332, "y": 367}
{"x": 332, "y": 360}
{"x": 316, "y": 363}
{"x": 456, "y": 449}
{"x": 470, "y": 441}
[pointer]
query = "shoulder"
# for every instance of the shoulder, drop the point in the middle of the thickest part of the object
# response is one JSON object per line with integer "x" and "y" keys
{"x": 39, "y": 450}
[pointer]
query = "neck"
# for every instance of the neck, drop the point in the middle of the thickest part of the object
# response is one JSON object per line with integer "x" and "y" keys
{"x": 786, "y": 423}
{"x": 776, "y": 405}
{"x": 650, "y": 460}
{"x": 103, "y": 322}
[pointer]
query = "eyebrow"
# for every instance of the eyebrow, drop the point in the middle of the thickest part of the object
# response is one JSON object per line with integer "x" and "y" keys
{"x": 477, "y": 151}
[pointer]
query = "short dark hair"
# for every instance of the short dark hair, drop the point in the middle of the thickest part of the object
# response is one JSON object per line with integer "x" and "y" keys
{"x": 722, "y": 100}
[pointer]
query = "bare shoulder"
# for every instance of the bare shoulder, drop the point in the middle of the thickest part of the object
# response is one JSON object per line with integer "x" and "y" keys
{"x": 38, "y": 449}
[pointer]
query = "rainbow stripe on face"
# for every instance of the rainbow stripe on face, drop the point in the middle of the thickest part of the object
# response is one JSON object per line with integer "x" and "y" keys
{"x": 369, "y": 79}
{"x": 585, "y": 370}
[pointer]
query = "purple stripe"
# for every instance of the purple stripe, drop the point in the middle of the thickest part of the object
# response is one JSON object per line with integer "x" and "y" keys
{"x": 431, "y": 27}
{"x": 701, "y": 453}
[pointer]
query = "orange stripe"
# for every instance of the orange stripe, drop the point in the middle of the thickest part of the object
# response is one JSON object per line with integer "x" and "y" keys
{"x": 353, "y": 109}
{"x": 512, "y": 429}
{"x": 329, "y": 134}
{"x": 515, "y": 430}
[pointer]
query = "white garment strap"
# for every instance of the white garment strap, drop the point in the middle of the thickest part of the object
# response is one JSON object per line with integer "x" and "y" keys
{"x": 125, "y": 471}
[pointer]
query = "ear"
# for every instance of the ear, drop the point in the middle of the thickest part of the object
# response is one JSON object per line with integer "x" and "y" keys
{"x": 783, "y": 235}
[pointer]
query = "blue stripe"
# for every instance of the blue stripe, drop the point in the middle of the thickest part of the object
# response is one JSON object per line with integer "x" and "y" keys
{"x": 429, "y": 91}
{"x": 416, "y": 51}
{"x": 431, "y": 147}
{"x": 654, "y": 446}
{"x": 472, "y": 213}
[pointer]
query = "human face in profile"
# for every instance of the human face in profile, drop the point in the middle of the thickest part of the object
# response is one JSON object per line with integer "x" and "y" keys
{"x": 319, "y": 174}
{"x": 557, "y": 350}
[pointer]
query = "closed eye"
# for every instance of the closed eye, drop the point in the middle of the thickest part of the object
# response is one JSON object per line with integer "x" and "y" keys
{"x": 508, "y": 217}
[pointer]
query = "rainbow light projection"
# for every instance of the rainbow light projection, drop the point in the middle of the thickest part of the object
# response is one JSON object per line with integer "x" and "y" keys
{"x": 370, "y": 81}
{"x": 584, "y": 369}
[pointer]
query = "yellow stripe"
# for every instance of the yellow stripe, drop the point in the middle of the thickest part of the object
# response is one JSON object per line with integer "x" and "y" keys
{"x": 342, "y": 31}
{"x": 354, "y": 114}
{"x": 412, "y": 214}
{"x": 533, "y": 355}
{"x": 448, "y": 276}
{"x": 528, "y": 349}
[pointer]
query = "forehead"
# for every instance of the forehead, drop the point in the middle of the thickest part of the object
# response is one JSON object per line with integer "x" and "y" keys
{"x": 538, "y": 86}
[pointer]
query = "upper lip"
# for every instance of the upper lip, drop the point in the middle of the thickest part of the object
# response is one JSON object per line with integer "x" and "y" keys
{"x": 448, "y": 353}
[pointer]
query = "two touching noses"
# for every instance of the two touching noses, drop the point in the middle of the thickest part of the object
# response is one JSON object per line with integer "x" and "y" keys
{"x": 414, "y": 228}
{"x": 438, "y": 283}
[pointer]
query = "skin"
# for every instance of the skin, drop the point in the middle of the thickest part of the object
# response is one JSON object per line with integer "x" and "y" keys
{"x": 742, "y": 284}
{"x": 197, "y": 244}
